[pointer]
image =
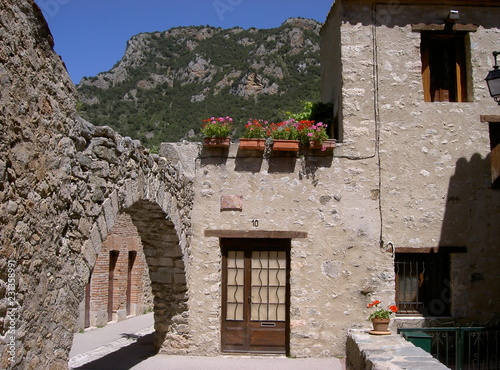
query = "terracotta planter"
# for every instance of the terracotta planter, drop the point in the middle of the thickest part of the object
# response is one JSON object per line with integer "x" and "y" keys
{"x": 380, "y": 326}
{"x": 216, "y": 142}
{"x": 252, "y": 144}
{"x": 328, "y": 144}
{"x": 286, "y": 145}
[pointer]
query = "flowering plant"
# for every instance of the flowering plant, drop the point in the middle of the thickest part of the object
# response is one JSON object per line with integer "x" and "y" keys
{"x": 309, "y": 131}
{"x": 217, "y": 127}
{"x": 256, "y": 129}
{"x": 381, "y": 313}
{"x": 285, "y": 130}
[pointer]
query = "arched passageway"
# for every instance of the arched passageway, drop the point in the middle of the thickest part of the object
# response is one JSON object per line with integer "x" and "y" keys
{"x": 63, "y": 182}
{"x": 164, "y": 258}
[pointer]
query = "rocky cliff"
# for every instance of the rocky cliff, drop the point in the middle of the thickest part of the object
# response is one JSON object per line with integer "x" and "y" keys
{"x": 167, "y": 82}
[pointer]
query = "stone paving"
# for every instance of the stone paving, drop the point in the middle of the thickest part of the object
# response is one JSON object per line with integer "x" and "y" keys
{"x": 131, "y": 347}
{"x": 102, "y": 351}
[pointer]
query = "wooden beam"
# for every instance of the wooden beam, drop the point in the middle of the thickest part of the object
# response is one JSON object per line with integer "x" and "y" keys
{"x": 422, "y": 27}
{"x": 431, "y": 250}
{"x": 489, "y": 118}
{"x": 256, "y": 234}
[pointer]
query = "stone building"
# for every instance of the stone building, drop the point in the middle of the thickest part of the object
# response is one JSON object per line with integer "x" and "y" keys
{"x": 261, "y": 251}
{"x": 403, "y": 210}
{"x": 407, "y": 81}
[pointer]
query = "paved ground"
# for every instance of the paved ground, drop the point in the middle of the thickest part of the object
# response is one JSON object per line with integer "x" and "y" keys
{"x": 129, "y": 345}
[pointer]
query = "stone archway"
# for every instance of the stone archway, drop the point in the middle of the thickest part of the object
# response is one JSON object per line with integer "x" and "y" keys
{"x": 62, "y": 183}
{"x": 165, "y": 261}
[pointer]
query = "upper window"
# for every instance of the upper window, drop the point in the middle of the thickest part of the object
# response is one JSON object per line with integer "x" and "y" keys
{"x": 444, "y": 66}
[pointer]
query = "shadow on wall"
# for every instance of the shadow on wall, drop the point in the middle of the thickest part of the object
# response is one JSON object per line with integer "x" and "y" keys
{"x": 472, "y": 220}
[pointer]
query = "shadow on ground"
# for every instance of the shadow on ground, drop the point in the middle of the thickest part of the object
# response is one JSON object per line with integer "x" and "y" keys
{"x": 126, "y": 357}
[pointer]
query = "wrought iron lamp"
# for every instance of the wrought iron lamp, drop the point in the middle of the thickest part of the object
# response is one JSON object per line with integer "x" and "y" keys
{"x": 493, "y": 80}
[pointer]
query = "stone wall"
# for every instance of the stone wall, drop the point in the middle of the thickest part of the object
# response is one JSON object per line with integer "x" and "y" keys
{"x": 62, "y": 184}
{"x": 333, "y": 269}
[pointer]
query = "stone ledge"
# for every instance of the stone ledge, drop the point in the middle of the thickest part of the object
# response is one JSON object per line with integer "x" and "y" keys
{"x": 381, "y": 352}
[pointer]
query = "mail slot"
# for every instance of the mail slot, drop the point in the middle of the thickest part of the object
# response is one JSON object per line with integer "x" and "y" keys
{"x": 268, "y": 324}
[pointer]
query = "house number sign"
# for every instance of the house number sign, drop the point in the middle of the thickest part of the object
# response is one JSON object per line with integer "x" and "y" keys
{"x": 255, "y": 223}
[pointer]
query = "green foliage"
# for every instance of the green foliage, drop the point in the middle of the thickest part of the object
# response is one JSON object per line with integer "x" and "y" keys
{"x": 304, "y": 115}
{"x": 178, "y": 80}
{"x": 317, "y": 112}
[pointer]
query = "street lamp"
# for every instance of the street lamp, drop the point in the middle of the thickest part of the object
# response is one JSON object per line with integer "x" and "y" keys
{"x": 493, "y": 80}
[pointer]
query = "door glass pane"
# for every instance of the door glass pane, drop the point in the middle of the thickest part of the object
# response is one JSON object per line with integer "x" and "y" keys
{"x": 235, "y": 259}
{"x": 234, "y": 294}
{"x": 268, "y": 290}
{"x": 234, "y": 311}
{"x": 277, "y": 277}
{"x": 235, "y": 276}
{"x": 235, "y": 280}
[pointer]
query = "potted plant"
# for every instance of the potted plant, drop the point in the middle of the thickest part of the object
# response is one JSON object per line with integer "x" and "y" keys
{"x": 381, "y": 318}
{"x": 314, "y": 135}
{"x": 255, "y": 134}
{"x": 216, "y": 131}
{"x": 285, "y": 135}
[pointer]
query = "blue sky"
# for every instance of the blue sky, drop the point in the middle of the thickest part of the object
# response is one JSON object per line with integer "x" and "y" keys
{"x": 91, "y": 35}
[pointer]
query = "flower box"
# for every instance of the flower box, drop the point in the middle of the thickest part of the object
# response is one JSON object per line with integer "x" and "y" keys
{"x": 286, "y": 145}
{"x": 325, "y": 145}
{"x": 252, "y": 144}
{"x": 216, "y": 142}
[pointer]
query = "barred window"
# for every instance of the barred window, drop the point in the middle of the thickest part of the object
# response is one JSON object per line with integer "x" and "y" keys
{"x": 423, "y": 284}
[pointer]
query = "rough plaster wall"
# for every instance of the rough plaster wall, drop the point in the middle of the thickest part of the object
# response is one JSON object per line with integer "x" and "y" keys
{"x": 333, "y": 271}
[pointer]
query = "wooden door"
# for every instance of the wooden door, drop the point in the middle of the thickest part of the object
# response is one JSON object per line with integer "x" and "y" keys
{"x": 255, "y": 306}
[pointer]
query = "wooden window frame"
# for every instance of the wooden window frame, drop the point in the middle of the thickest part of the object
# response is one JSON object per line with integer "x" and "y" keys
{"x": 458, "y": 66}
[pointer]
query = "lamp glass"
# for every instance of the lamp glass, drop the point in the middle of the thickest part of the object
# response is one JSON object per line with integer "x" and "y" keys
{"x": 493, "y": 81}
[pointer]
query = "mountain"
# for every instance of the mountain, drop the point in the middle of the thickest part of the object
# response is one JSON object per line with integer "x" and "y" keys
{"x": 168, "y": 82}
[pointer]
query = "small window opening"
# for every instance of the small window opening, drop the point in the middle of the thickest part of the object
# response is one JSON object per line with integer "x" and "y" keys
{"x": 444, "y": 69}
